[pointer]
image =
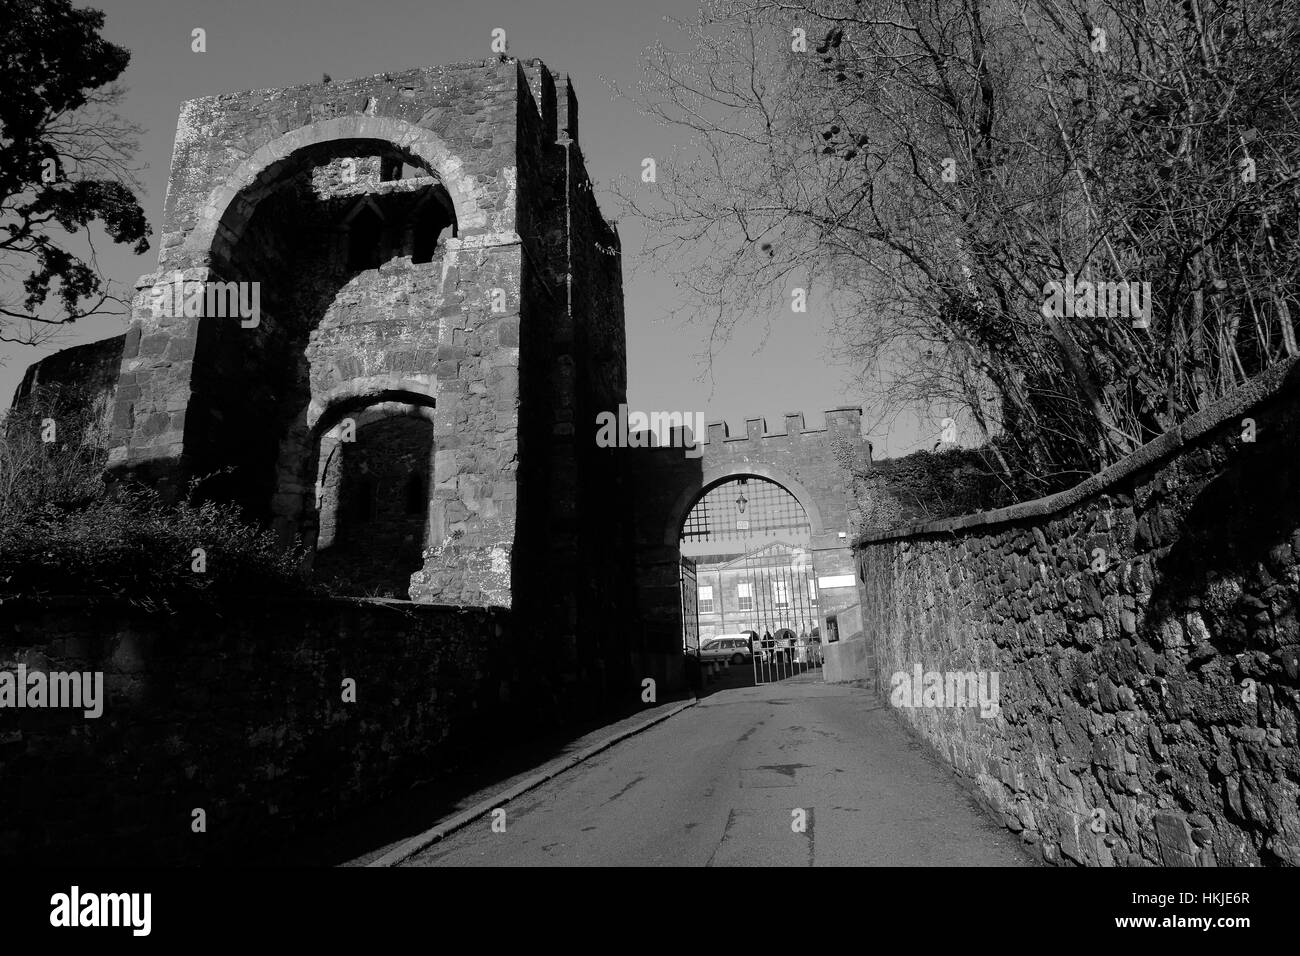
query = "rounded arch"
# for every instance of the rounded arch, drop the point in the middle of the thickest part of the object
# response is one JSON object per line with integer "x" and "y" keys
{"x": 366, "y": 522}
{"x": 720, "y": 473}
{"x": 367, "y": 407}
{"x": 325, "y": 412}
{"x": 418, "y": 141}
{"x": 372, "y": 410}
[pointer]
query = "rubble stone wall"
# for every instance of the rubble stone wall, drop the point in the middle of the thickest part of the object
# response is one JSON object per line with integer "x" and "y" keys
{"x": 1143, "y": 627}
{"x": 244, "y": 715}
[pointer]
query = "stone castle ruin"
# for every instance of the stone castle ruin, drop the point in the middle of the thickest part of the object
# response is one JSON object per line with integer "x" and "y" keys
{"x": 386, "y": 321}
{"x": 439, "y": 323}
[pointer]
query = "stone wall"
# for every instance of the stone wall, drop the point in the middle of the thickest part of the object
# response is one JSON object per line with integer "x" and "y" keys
{"x": 240, "y": 714}
{"x": 91, "y": 369}
{"x": 1144, "y": 629}
{"x": 603, "y": 592}
{"x": 574, "y": 508}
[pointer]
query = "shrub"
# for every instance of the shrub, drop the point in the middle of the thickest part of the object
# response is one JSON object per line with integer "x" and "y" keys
{"x": 63, "y": 531}
{"x": 925, "y": 486}
{"x": 127, "y": 542}
{"x": 52, "y": 450}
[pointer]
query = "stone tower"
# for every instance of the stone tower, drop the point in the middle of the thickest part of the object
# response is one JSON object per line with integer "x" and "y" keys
{"x": 381, "y": 309}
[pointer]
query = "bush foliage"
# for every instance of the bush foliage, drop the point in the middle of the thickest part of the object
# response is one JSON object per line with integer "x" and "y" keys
{"x": 926, "y": 486}
{"x": 129, "y": 543}
{"x": 63, "y": 531}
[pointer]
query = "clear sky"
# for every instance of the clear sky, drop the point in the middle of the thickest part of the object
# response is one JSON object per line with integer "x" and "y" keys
{"x": 779, "y": 363}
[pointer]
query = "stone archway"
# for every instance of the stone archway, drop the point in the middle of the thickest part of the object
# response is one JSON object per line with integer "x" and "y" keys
{"x": 721, "y": 473}
{"x": 748, "y": 539}
{"x": 372, "y": 461}
{"x": 332, "y": 322}
{"x": 219, "y": 211}
{"x": 805, "y": 462}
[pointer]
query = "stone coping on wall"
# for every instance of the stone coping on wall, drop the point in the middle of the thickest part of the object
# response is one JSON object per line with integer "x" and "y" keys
{"x": 1252, "y": 393}
{"x": 387, "y": 76}
{"x": 187, "y": 602}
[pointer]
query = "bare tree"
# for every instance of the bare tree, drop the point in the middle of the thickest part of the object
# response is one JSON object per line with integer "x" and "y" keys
{"x": 930, "y": 166}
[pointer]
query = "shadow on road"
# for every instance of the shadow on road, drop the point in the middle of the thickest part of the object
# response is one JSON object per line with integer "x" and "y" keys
{"x": 732, "y": 676}
{"x": 366, "y": 833}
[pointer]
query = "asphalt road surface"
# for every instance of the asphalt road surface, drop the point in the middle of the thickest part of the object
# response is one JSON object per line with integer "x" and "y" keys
{"x": 797, "y": 773}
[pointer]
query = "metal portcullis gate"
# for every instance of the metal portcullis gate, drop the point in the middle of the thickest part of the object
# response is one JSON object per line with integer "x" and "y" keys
{"x": 690, "y": 609}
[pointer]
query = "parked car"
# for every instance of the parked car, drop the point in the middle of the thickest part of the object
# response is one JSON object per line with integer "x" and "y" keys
{"x": 731, "y": 648}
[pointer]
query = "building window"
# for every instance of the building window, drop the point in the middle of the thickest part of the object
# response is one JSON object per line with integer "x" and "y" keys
{"x": 812, "y": 591}
{"x": 745, "y": 597}
{"x": 780, "y": 594}
{"x": 706, "y": 599}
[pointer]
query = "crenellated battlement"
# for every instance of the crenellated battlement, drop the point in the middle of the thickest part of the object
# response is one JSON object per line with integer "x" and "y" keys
{"x": 817, "y": 464}
{"x": 845, "y": 419}
{"x": 844, "y": 422}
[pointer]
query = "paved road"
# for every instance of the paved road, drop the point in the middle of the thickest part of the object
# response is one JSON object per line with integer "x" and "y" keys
{"x": 718, "y": 784}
